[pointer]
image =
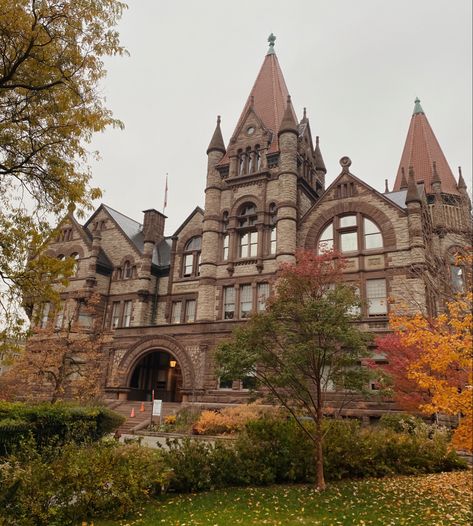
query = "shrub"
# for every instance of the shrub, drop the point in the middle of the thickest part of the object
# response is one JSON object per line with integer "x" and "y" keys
{"x": 81, "y": 482}
{"x": 401, "y": 423}
{"x": 229, "y": 420}
{"x": 58, "y": 423}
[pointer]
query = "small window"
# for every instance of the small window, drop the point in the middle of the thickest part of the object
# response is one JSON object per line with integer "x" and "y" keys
{"x": 347, "y": 221}
{"x": 190, "y": 311}
{"x": 246, "y": 301}
{"x": 45, "y": 310}
{"x": 115, "y": 322}
{"x": 248, "y": 382}
{"x": 226, "y": 247}
{"x": 127, "y": 309}
{"x": 176, "y": 312}
{"x": 224, "y": 383}
{"x": 376, "y": 297}
{"x": 127, "y": 271}
{"x": 228, "y": 303}
{"x": 85, "y": 317}
{"x": 262, "y": 296}
{"x": 349, "y": 241}
{"x": 191, "y": 257}
{"x": 75, "y": 268}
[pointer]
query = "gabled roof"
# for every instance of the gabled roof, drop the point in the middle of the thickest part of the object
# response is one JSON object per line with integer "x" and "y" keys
{"x": 197, "y": 210}
{"x": 268, "y": 99}
{"x": 131, "y": 229}
{"x": 421, "y": 149}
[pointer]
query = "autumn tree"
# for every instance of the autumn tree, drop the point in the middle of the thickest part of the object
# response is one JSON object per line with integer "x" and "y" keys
{"x": 51, "y": 63}
{"x": 303, "y": 345}
{"x": 64, "y": 356}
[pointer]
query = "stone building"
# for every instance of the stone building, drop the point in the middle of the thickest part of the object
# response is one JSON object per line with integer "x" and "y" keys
{"x": 170, "y": 299}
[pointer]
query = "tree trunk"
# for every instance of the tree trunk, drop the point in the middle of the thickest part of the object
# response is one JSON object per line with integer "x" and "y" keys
{"x": 319, "y": 456}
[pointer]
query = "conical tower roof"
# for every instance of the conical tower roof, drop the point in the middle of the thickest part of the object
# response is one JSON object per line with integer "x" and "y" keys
{"x": 420, "y": 151}
{"x": 216, "y": 143}
{"x": 267, "y": 98}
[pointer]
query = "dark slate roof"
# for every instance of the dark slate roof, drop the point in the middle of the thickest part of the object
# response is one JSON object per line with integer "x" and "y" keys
{"x": 398, "y": 198}
{"x": 131, "y": 228}
{"x": 162, "y": 253}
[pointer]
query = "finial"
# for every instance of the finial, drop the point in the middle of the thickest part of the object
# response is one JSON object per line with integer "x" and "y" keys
{"x": 316, "y": 140}
{"x": 305, "y": 113}
{"x": 411, "y": 171}
{"x": 386, "y": 187}
{"x": 218, "y": 119}
{"x": 435, "y": 178}
{"x": 271, "y": 40}
{"x": 345, "y": 163}
{"x": 417, "y": 107}
{"x": 461, "y": 182}
{"x": 289, "y": 99}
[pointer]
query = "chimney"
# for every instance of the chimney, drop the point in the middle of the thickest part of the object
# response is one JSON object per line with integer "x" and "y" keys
{"x": 153, "y": 226}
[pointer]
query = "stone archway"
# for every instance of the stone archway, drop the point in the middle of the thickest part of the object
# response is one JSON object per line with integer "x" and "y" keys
{"x": 146, "y": 346}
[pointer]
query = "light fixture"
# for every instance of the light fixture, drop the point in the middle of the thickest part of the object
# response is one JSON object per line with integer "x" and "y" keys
{"x": 172, "y": 363}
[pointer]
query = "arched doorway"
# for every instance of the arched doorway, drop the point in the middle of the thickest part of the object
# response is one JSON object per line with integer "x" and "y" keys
{"x": 157, "y": 370}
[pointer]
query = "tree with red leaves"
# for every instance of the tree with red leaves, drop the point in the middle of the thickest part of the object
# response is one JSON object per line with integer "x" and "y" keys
{"x": 304, "y": 344}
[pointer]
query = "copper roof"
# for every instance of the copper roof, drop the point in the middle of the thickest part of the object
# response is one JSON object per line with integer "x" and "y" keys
{"x": 421, "y": 150}
{"x": 268, "y": 99}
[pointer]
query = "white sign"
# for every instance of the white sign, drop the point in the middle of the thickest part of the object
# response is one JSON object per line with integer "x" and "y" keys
{"x": 157, "y": 406}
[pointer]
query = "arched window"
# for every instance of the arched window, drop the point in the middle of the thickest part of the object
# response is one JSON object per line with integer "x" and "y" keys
{"x": 248, "y": 235}
{"x": 350, "y": 233}
{"x": 456, "y": 274}
{"x": 127, "y": 271}
{"x": 75, "y": 268}
{"x": 191, "y": 257}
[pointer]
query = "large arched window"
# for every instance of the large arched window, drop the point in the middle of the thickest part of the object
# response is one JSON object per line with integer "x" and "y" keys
{"x": 248, "y": 235}
{"x": 350, "y": 233}
{"x": 191, "y": 257}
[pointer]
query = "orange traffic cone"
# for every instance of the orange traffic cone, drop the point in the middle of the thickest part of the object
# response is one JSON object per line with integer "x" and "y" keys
{"x": 132, "y": 414}
{"x": 142, "y": 408}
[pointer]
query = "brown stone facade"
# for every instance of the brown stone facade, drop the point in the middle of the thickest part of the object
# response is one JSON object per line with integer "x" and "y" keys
{"x": 177, "y": 297}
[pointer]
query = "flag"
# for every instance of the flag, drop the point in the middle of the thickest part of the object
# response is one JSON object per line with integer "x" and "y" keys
{"x": 165, "y": 194}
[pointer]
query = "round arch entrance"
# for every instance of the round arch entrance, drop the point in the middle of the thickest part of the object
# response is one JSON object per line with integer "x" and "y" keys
{"x": 157, "y": 370}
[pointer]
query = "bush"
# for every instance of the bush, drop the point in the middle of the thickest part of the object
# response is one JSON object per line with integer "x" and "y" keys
{"x": 275, "y": 450}
{"x": 401, "y": 423}
{"x": 58, "y": 423}
{"x": 81, "y": 482}
{"x": 229, "y": 420}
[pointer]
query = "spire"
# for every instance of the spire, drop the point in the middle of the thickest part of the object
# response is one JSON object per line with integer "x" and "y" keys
{"x": 420, "y": 150}
{"x": 319, "y": 161}
{"x": 403, "y": 179}
{"x": 417, "y": 107}
{"x": 461, "y": 181}
{"x": 216, "y": 143}
{"x": 288, "y": 123}
{"x": 267, "y": 99}
{"x": 412, "y": 195}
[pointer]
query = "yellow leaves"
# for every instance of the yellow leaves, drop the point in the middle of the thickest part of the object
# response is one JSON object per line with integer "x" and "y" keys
{"x": 445, "y": 364}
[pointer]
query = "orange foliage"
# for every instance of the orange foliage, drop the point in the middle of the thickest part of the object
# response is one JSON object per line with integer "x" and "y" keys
{"x": 444, "y": 363}
{"x": 227, "y": 421}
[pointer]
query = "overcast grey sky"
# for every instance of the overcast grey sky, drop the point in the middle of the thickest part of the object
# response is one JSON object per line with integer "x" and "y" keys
{"x": 356, "y": 65}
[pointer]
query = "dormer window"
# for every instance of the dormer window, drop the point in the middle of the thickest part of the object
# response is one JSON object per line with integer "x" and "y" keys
{"x": 127, "y": 271}
{"x": 191, "y": 257}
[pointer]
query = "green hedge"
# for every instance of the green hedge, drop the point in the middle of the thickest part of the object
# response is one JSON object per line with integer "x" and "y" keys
{"x": 62, "y": 487}
{"x": 58, "y": 423}
{"x": 277, "y": 451}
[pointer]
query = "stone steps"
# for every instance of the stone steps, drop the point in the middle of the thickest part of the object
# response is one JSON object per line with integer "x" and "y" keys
{"x": 125, "y": 408}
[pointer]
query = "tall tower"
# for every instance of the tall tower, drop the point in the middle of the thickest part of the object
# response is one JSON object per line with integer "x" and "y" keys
{"x": 257, "y": 189}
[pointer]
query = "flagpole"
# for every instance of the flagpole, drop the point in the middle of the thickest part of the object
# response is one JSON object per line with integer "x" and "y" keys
{"x": 165, "y": 194}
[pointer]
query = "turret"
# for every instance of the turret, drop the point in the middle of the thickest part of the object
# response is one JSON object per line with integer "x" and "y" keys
{"x": 287, "y": 212}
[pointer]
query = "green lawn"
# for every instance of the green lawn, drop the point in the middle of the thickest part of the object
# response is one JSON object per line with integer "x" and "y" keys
{"x": 432, "y": 500}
